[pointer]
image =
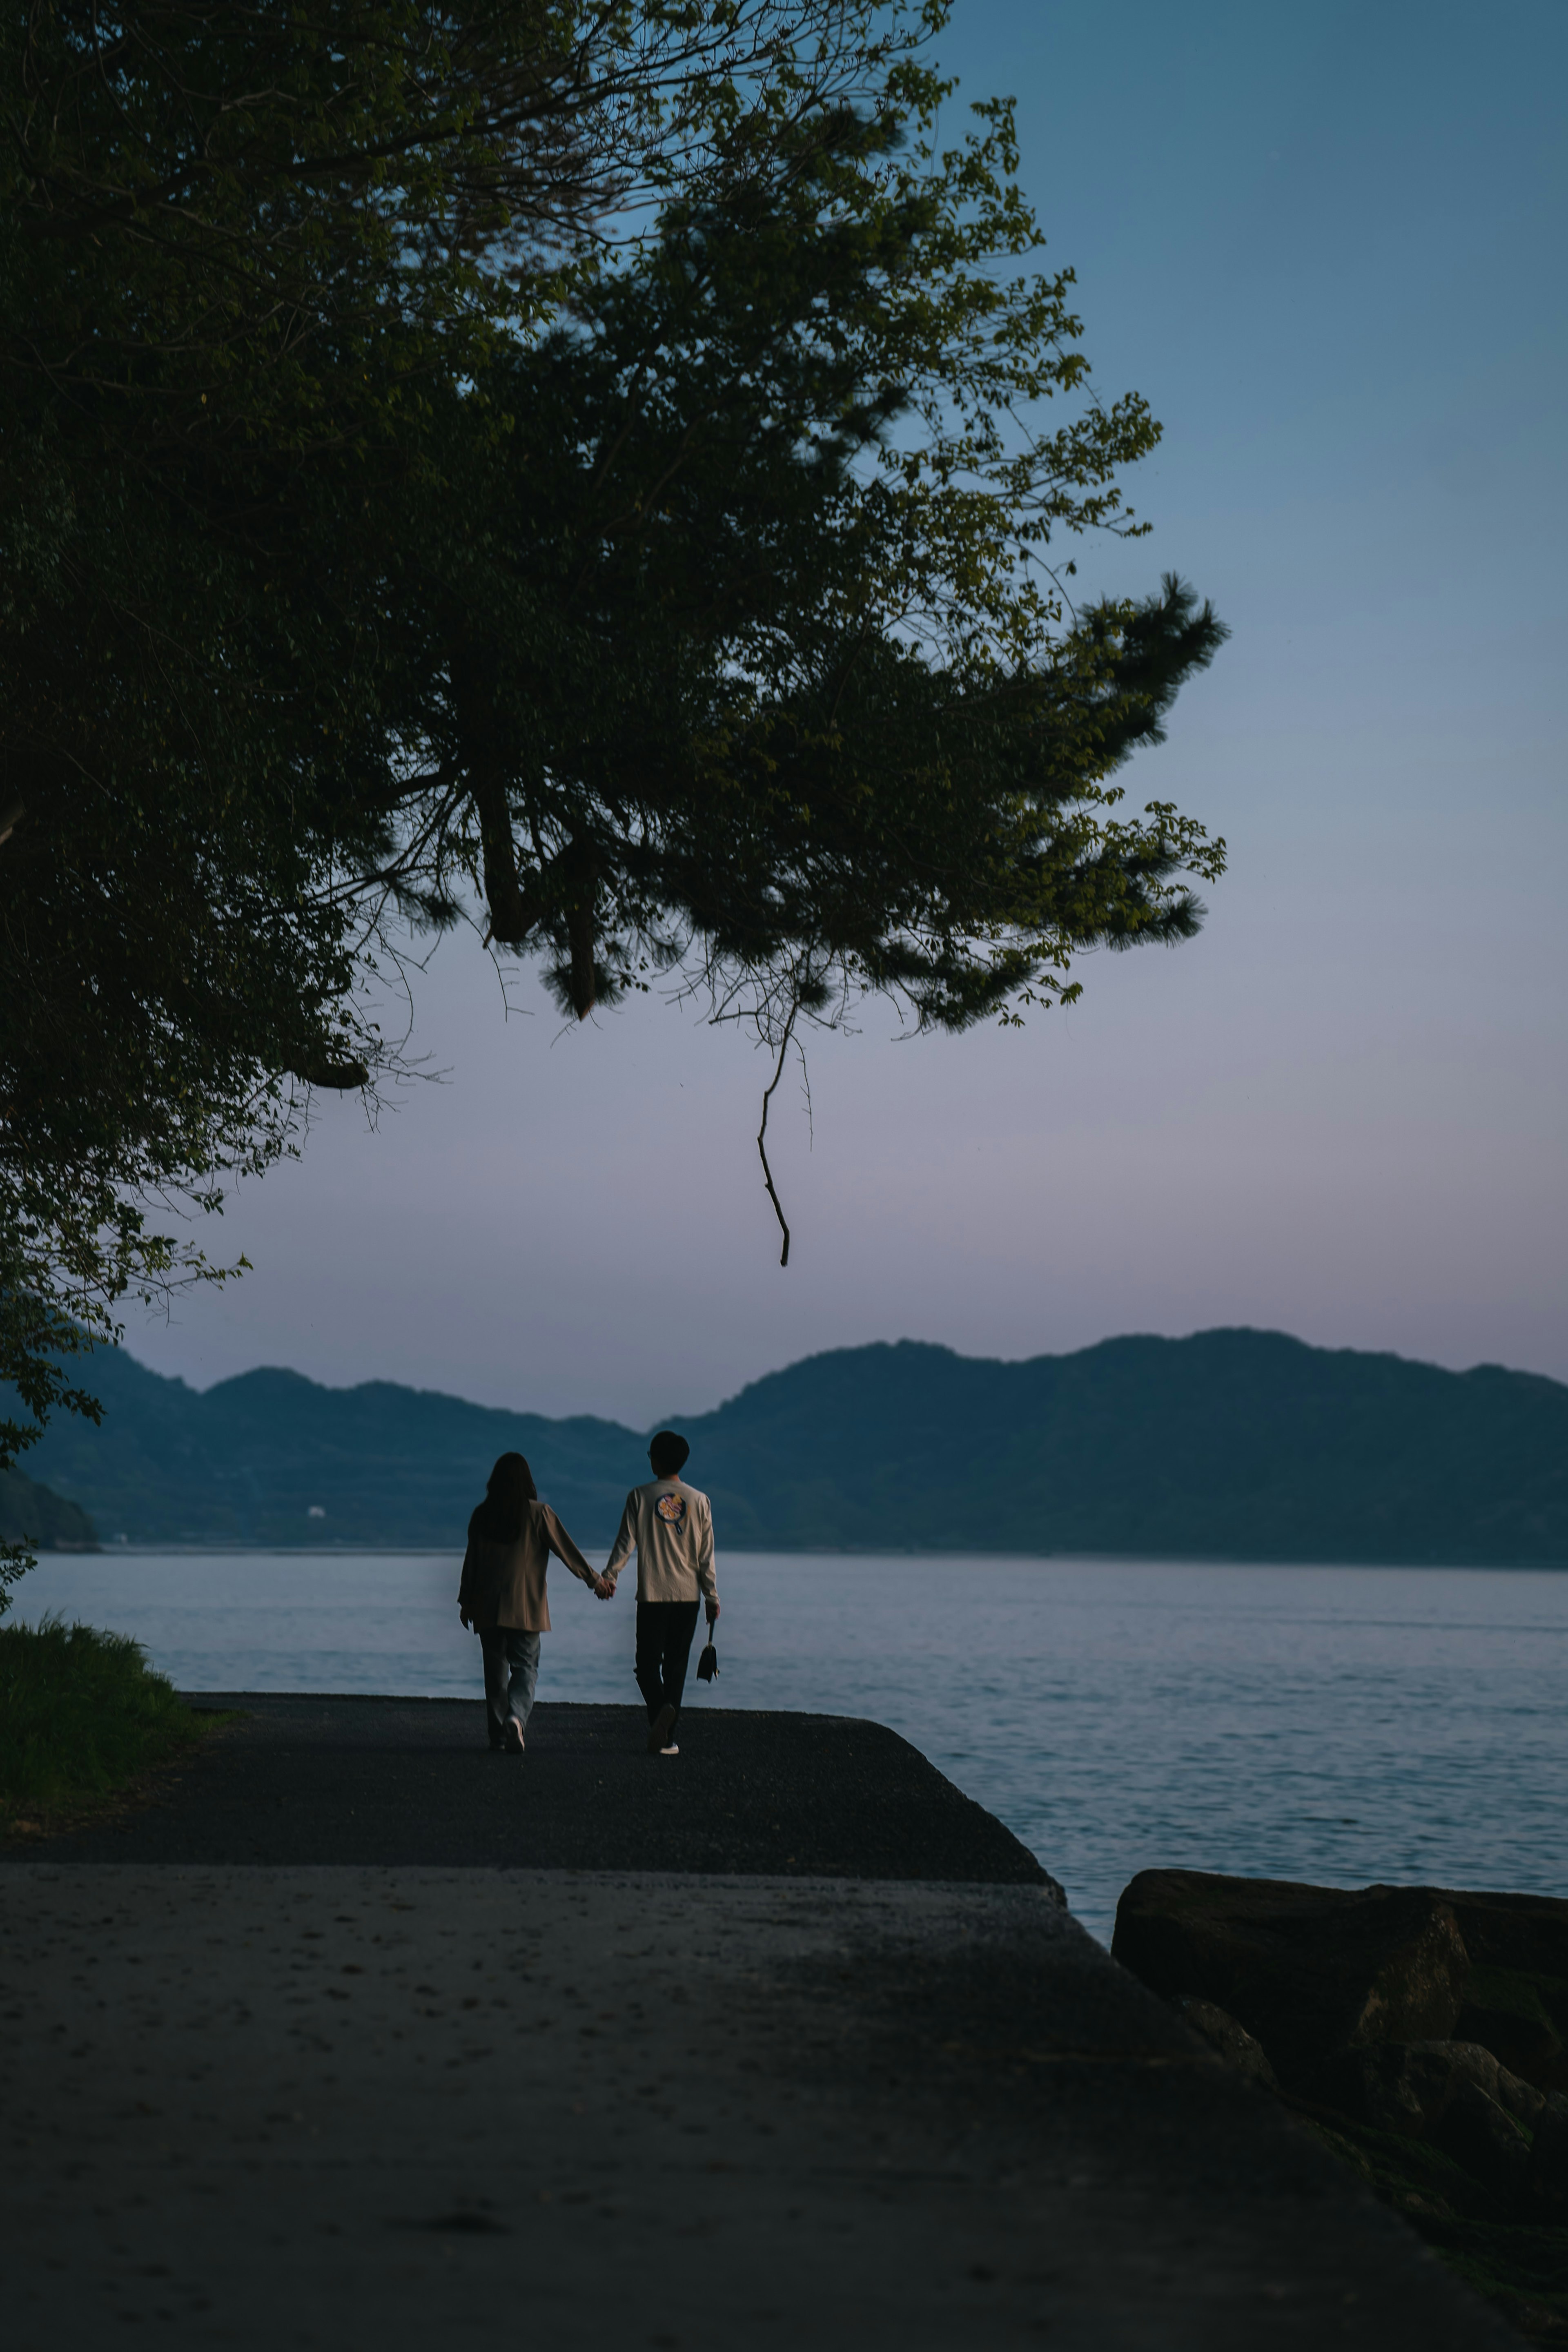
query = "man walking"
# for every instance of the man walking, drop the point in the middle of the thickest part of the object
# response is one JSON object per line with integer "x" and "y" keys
{"x": 670, "y": 1527}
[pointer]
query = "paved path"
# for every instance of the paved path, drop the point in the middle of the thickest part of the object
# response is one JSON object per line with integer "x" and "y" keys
{"x": 379, "y": 2104}
{"x": 412, "y": 1780}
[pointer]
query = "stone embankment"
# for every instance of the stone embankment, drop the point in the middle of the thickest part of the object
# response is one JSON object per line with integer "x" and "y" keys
{"x": 1424, "y": 2031}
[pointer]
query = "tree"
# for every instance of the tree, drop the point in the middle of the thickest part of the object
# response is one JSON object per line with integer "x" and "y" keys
{"x": 240, "y": 248}
{"x": 391, "y": 533}
{"x": 716, "y": 635}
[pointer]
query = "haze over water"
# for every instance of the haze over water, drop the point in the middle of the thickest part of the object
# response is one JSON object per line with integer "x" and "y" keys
{"x": 1333, "y": 1724}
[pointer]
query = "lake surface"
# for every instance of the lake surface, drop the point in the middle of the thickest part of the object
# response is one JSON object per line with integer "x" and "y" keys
{"x": 1336, "y": 1724}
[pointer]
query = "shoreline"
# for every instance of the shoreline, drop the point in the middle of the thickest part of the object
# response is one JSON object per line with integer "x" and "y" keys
{"x": 199, "y": 1549}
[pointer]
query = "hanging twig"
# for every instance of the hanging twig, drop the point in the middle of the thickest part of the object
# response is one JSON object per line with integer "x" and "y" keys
{"x": 762, "y": 1130}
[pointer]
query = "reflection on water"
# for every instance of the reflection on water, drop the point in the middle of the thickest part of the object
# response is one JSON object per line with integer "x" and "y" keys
{"x": 1336, "y": 1724}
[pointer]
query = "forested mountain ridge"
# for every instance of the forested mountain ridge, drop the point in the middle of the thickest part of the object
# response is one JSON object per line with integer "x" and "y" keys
{"x": 1232, "y": 1445}
{"x": 31, "y": 1515}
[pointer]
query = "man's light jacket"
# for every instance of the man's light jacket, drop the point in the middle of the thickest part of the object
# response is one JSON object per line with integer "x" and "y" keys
{"x": 670, "y": 1527}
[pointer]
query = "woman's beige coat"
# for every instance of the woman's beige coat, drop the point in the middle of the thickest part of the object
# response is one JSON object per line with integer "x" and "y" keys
{"x": 504, "y": 1583}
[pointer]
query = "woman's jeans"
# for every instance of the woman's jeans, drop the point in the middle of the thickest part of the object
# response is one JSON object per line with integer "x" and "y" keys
{"x": 511, "y": 1671}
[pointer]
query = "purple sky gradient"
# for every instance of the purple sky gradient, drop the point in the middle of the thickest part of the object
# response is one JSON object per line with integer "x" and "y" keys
{"x": 1330, "y": 253}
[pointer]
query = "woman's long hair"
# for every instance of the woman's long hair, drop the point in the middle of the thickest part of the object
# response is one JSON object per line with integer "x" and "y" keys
{"x": 510, "y": 1487}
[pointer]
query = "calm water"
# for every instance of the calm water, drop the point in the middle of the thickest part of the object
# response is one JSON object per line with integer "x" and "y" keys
{"x": 1341, "y": 1725}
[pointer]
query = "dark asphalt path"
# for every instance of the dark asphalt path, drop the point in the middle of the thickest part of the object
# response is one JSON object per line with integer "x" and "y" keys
{"x": 346, "y": 2107}
{"x": 690, "y": 2060}
{"x": 411, "y": 1782}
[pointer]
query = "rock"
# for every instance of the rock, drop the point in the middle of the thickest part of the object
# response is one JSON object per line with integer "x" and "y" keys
{"x": 1475, "y": 2134}
{"x": 1453, "y": 2094}
{"x": 1420, "y": 2014}
{"x": 1306, "y": 1971}
{"x": 1228, "y": 2040}
{"x": 1536, "y": 2322}
{"x": 1548, "y": 2159}
{"x": 1527, "y": 2044}
{"x": 1525, "y": 1933}
{"x": 1516, "y": 2001}
{"x": 1409, "y": 2087}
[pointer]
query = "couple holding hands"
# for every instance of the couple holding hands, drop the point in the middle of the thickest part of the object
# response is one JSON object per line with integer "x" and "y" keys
{"x": 502, "y": 1596}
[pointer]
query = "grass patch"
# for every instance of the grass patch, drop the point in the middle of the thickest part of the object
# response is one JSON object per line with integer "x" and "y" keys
{"x": 82, "y": 1715}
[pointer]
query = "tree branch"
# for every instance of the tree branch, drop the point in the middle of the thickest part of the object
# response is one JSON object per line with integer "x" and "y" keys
{"x": 762, "y": 1130}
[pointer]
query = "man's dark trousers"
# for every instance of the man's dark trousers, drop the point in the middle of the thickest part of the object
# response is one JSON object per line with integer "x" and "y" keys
{"x": 664, "y": 1630}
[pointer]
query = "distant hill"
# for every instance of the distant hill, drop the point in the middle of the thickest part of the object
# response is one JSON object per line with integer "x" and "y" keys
{"x": 1233, "y": 1444}
{"x": 30, "y": 1514}
{"x": 274, "y": 1458}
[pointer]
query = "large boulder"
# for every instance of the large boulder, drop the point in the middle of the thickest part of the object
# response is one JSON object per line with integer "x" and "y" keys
{"x": 1549, "y": 2161}
{"x": 1423, "y": 2030}
{"x": 1485, "y": 2141}
{"x": 1328, "y": 1968}
{"x": 1516, "y": 2001}
{"x": 1231, "y": 2043}
{"x": 1307, "y": 1970}
{"x": 1409, "y": 2087}
{"x": 1456, "y": 2096}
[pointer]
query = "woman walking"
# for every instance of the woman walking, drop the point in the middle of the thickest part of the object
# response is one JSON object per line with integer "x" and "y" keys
{"x": 502, "y": 1596}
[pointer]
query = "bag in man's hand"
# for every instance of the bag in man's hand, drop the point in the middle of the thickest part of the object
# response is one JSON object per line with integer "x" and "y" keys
{"x": 707, "y": 1664}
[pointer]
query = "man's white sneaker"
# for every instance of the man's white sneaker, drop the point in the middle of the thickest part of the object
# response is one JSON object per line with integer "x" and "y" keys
{"x": 512, "y": 1736}
{"x": 671, "y": 1751}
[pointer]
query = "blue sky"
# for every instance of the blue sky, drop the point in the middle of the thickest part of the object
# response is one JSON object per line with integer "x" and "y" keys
{"x": 1329, "y": 247}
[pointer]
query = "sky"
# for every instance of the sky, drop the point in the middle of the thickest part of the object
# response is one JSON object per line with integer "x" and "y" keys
{"x": 1328, "y": 245}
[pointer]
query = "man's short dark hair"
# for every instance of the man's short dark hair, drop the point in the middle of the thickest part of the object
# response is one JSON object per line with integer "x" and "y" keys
{"x": 668, "y": 1453}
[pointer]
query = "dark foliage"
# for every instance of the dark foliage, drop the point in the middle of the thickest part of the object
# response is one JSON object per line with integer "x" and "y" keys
{"x": 382, "y": 545}
{"x": 81, "y": 1715}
